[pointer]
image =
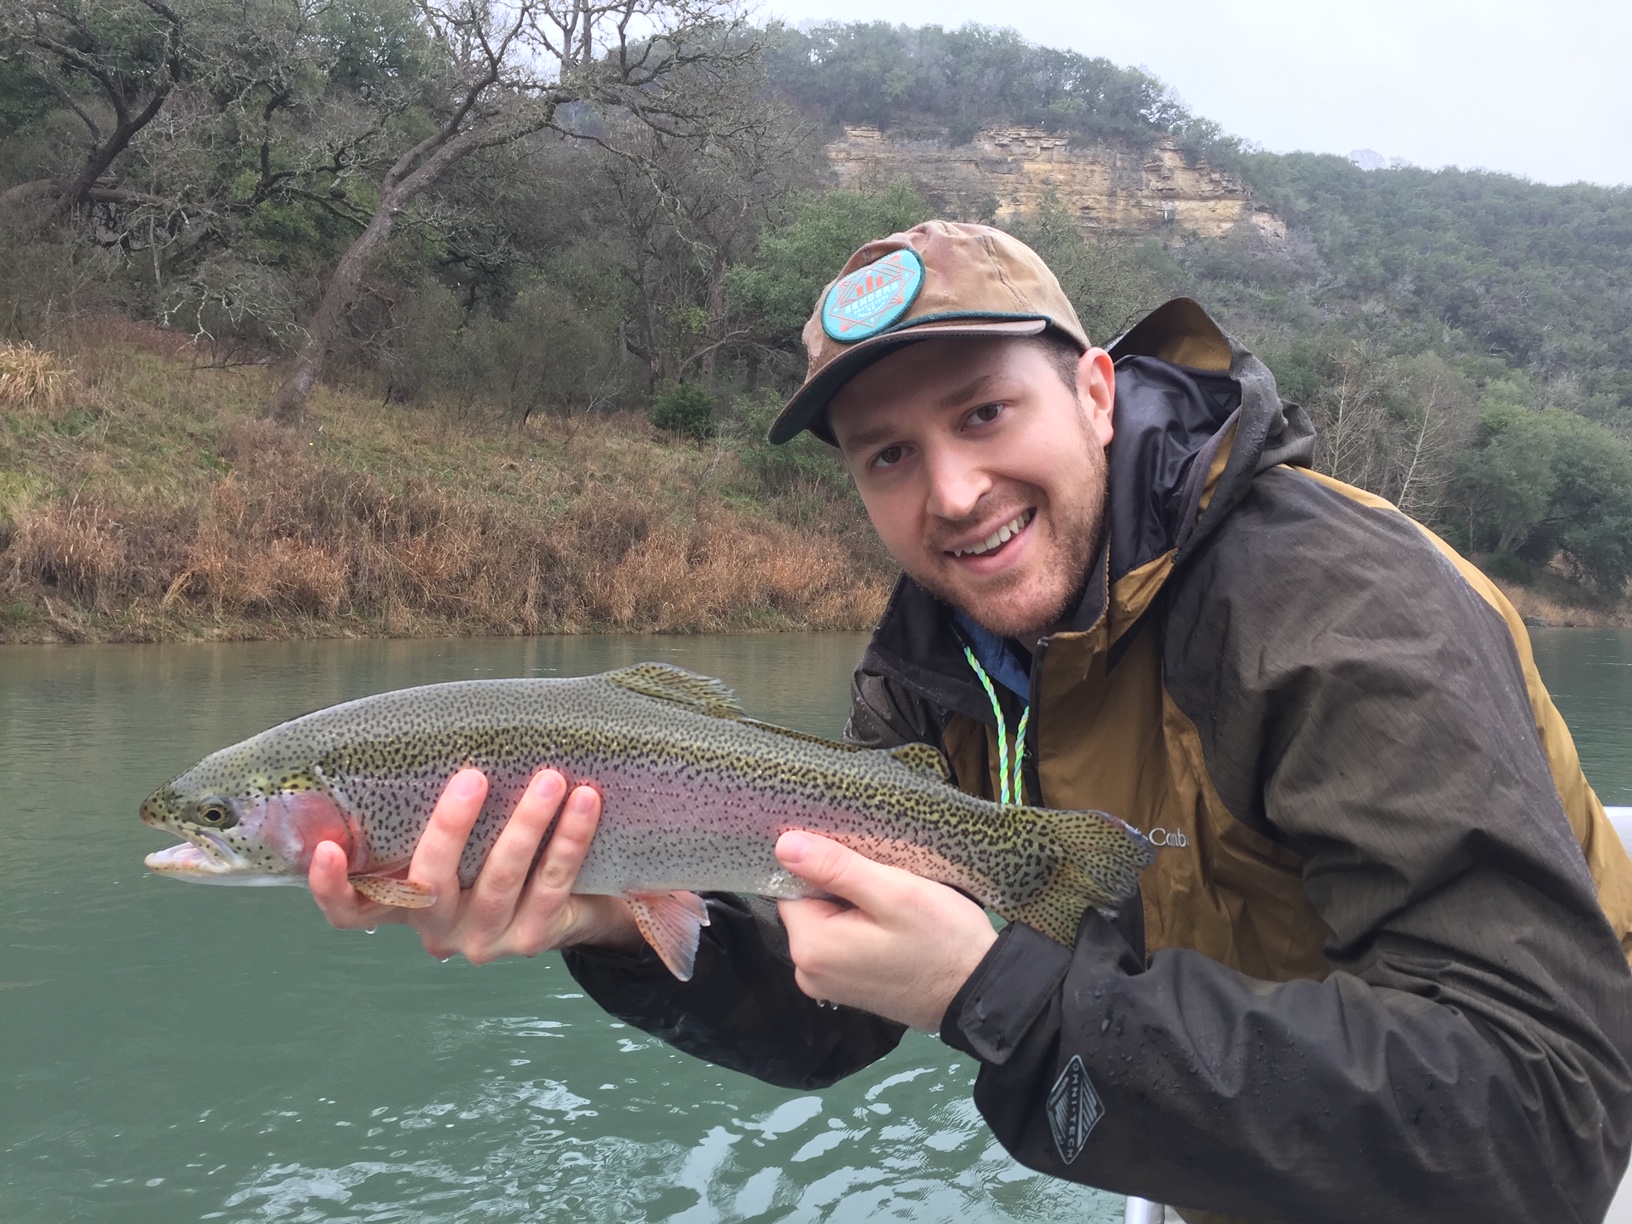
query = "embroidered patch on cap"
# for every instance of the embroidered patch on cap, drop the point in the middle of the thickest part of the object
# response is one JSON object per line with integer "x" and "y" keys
{"x": 1074, "y": 1109}
{"x": 866, "y": 301}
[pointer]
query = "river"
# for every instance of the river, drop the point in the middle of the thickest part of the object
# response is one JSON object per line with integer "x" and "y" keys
{"x": 174, "y": 1053}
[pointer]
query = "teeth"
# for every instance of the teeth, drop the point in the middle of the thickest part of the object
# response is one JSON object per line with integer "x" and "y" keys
{"x": 1001, "y": 536}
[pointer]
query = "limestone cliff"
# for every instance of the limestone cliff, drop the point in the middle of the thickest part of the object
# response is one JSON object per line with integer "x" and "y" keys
{"x": 1005, "y": 172}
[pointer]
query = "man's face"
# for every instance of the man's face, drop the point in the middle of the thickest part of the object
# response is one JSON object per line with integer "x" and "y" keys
{"x": 983, "y": 473}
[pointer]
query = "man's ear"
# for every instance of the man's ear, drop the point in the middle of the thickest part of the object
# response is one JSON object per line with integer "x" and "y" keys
{"x": 1096, "y": 391}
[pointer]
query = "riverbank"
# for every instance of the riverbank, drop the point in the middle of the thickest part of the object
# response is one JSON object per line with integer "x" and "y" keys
{"x": 1562, "y": 605}
{"x": 149, "y": 501}
{"x": 143, "y": 498}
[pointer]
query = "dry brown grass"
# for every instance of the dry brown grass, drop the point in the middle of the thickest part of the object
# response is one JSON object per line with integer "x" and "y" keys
{"x": 1537, "y": 604}
{"x": 32, "y": 378}
{"x": 190, "y": 517}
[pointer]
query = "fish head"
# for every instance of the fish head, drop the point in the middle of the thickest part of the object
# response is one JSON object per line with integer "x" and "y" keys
{"x": 246, "y": 825}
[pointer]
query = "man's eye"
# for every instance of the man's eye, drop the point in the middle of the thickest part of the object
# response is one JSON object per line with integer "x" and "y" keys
{"x": 986, "y": 414}
{"x": 888, "y": 457}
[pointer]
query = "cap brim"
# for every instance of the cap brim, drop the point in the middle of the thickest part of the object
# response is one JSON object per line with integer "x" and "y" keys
{"x": 804, "y": 410}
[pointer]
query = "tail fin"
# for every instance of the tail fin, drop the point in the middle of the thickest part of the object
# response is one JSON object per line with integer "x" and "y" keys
{"x": 1097, "y": 860}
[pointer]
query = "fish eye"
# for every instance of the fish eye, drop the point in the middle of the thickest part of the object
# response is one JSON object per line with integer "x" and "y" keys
{"x": 217, "y": 816}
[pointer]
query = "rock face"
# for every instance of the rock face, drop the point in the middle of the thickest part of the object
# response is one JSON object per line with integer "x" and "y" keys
{"x": 1005, "y": 172}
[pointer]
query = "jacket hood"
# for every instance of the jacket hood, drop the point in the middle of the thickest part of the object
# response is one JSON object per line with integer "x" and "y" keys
{"x": 1196, "y": 417}
{"x": 1185, "y": 390}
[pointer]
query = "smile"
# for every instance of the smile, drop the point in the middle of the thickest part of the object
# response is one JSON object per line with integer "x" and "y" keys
{"x": 999, "y": 537}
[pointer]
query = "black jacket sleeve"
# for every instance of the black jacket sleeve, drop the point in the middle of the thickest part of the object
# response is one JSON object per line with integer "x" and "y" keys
{"x": 741, "y": 1008}
{"x": 1467, "y": 1058}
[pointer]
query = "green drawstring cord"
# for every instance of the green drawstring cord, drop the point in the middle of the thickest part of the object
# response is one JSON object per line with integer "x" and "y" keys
{"x": 1008, "y": 793}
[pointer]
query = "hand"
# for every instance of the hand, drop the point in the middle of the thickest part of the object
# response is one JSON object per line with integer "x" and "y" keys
{"x": 516, "y": 907}
{"x": 902, "y": 952}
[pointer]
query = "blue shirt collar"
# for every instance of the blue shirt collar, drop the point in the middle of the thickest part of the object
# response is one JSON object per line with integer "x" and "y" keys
{"x": 996, "y": 656}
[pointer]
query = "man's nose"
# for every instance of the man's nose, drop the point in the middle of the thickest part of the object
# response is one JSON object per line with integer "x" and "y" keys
{"x": 956, "y": 485}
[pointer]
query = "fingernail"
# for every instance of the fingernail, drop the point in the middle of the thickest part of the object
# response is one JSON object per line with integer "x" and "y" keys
{"x": 467, "y": 784}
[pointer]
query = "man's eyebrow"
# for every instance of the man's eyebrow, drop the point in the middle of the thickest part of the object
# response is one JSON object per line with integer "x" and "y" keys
{"x": 864, "y": 438}
{"x": 975, "y": 388}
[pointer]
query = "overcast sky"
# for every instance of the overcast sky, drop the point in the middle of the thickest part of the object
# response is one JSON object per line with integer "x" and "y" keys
{"x": 1541, "y": 89}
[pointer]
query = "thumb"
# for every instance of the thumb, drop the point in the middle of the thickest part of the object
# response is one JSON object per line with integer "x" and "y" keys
{"x": 833, "y": 868}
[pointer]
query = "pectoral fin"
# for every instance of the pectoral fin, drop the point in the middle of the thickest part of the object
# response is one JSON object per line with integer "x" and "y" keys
{"x": 672, "y": 922}
{"x": 389, "y": 890}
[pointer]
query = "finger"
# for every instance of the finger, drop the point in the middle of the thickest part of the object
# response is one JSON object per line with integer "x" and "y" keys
{"x": 839, "y": 870}
{"x": 517, "y": 846}
{"x": 568, "y": 845}
{"x": 550, "y": 916}
{"x": 341, "y": 904}
{"x": 807, "y": 913}
{"x": 436, "y": 858}
{"x": 812, "y": 941}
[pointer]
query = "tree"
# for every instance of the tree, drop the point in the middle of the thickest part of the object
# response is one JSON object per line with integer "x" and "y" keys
{"x": 1548, "y": 482}
{"x": 682, "y": 213}
{"x": 113, "y": 63}
{"x": 883, "y": 74}
{"x": 514, "y": 70}
{"x": 1391, "y": 426}
{"x": 1110, "y": 288}
{"x": 1351, "y": 415}
{"x": 1436, "y": 422}
{"x": 773, "y": 295}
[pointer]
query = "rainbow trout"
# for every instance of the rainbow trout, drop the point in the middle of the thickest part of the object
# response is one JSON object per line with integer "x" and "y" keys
{"x": 695, "y": 794}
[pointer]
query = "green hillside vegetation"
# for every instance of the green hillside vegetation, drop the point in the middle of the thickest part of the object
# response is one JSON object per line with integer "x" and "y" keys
{"x": 301, "y": 255}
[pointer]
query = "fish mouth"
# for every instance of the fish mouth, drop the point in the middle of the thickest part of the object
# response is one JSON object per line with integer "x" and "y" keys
{"x": 202, "y": 854}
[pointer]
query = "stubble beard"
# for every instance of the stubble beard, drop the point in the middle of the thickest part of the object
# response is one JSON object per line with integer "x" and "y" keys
{"x": 1077, "y": 528}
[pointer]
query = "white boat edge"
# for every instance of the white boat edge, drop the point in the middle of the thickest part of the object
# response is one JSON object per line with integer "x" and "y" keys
{"x": 1141, "y": 1211}
{"x": 1620, "y": 1211}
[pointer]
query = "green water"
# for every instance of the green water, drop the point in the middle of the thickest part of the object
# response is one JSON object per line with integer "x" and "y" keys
{"x": 174, "y": 1053}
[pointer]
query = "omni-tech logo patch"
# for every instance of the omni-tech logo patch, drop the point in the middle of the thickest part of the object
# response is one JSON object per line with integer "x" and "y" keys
{"x": 1074, "y": 1109}
{"x": 864, "y": 302}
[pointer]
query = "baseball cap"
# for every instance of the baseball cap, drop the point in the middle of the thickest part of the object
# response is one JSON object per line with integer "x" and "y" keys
{"x": 941, "y": 278}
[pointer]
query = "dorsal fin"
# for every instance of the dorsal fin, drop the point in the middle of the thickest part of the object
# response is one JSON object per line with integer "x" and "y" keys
{"x": 808, "y": 738}
{"x": 921, "y": 758}
{"x": 665, "y": 682}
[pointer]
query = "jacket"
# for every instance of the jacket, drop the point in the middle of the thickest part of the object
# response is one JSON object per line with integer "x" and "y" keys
{"x": 1379, "y": 969}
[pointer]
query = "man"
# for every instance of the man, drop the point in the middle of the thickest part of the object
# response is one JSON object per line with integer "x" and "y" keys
{"x": 1379, "y": 970}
